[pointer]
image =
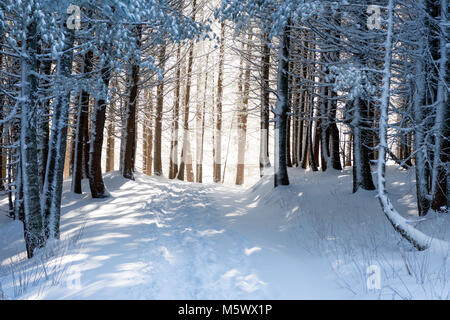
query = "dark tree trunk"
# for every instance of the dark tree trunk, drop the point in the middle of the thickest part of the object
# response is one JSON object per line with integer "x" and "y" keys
{"x": 82, "y": 132}
{"x": 157, "y": 170}
{"x": 130, "y": 126}
{"x": 264, "y": 161}
{"x": 362, "y": 175}
{"x": 281, "y": 175}
{"x": 96, "y": 184}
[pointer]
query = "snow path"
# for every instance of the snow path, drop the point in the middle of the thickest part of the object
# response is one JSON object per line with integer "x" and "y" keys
{"x": 154, "y": 240}
{"x": 160, "y": 239}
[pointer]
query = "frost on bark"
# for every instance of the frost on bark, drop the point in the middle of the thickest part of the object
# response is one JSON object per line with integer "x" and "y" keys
{"x": 34, "y": 236}
{"x": 418, "y": 239}
{"x": 419, "y": 112}
{"x": 44, "y": 127}
{"x": 51, "y": 201}
{"x": 441, "y": 166}
{"x": 264, "y": 161}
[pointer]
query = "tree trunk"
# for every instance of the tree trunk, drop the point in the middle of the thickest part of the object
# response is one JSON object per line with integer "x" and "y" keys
{"x": 34, "y": 237}
{"x": 333, "y": 132}
{"x": 264, "y": 161}
{"x": 422, "y": 172}
{"x": 218, "y": 129}
{"x": 242, "y": 119}
{"x": 147, "y": 150}
{"x": 130, "y": 127}
{"x": 110, "y": 142}
{"x": 400, "y": 224}
{"x": 96, "y": 184}
{"x": 158, "y": 117}
{"x": 281, "y": 175}
{"x": 82, "y": 136}
{"x": 199, "y": 171}
{"x": 362, "y": 175}
{"x": 52, "y": 191}
{"x": 186, "y": 155}
{"x": 44, "y": 128}
{"x": 173, "y": 166}
{"x": 441, "y": 166}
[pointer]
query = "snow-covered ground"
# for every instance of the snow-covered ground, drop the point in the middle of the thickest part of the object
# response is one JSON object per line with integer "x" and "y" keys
{"x": 161, "y": 239}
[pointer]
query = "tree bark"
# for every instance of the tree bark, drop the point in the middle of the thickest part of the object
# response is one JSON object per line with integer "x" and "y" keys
{"x": 157, "y": 170}
{"x": 186, "y": 155}
{"x": 242, "y": 119}
{"x": 218, "y": 129}
{"x": 130, "y": 127}
{"x": 52, "y": 191}
{"x": 110, "y": 142}
{"x": 96, "y": 184}
{"x": 264, "y": 161}
{"x": 173, "y": 166}
{"x": 82, "y": 131}
{"x": 281, "y": 175}
{"x": 34, "y": 237}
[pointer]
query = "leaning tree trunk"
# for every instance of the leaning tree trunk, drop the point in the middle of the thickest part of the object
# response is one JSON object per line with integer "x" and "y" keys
{"x": 400, "y": 224}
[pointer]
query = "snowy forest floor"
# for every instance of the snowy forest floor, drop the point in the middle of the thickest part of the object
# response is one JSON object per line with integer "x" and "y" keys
{"x": 161, "y": 239}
